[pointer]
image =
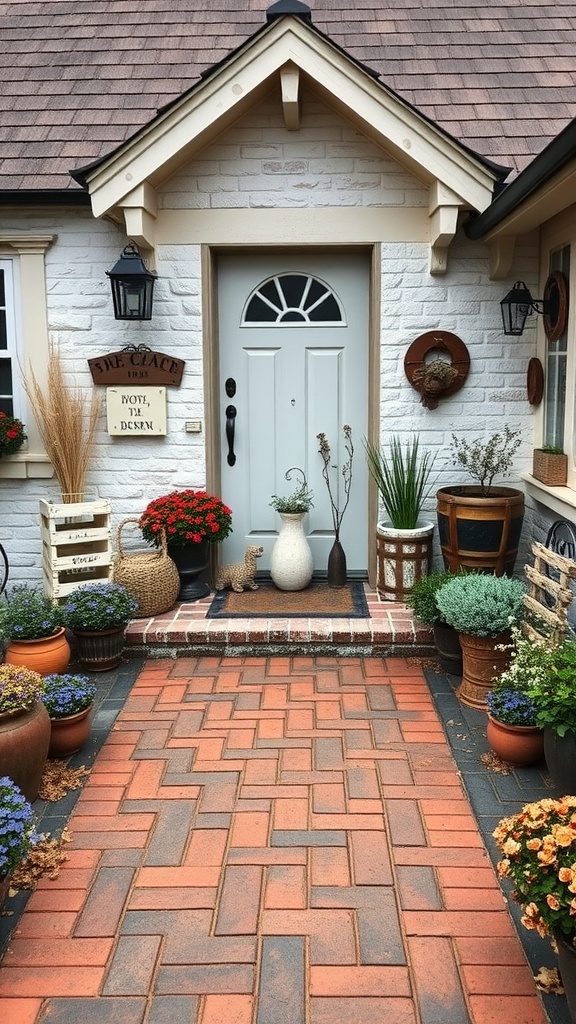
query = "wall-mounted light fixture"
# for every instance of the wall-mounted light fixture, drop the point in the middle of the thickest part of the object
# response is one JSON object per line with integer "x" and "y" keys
{"x": 132, "y": 286}
{"x": 516, "y": 306}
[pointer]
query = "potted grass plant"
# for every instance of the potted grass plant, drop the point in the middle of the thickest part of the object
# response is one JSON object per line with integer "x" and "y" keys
{"x": 479, "y": 524}
{"x": 401, "y": 472}
{"x": 483, "y": 609}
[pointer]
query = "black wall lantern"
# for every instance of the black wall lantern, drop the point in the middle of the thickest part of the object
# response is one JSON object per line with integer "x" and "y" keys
{"x": 516, "y": 306}
{"x": 132, "y": 286}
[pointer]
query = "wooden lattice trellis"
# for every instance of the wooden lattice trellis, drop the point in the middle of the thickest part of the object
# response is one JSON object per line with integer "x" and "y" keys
{"x": 547, "y": 600}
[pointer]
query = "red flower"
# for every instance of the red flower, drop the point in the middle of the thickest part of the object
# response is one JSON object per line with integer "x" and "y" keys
{"x": 188, "y": 517}
{"x": 12, "y": 434}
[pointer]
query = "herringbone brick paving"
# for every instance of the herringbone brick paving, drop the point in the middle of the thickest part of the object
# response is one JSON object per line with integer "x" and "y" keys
{"x": 270, "y": 840}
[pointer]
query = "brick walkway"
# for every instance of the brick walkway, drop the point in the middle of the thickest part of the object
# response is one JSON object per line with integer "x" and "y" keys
{"x": 272, "y": 841}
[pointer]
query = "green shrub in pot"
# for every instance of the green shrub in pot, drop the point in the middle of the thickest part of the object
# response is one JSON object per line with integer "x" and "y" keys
{"x": 481, "y": 605}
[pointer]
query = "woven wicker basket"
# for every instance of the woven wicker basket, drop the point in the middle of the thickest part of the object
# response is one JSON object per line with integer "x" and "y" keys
{"x": 150, "y": 576}
{"x": 550, "y": 467}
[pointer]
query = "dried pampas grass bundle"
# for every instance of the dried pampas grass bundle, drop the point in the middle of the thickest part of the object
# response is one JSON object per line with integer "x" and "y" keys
{"x": 67, "y": 424}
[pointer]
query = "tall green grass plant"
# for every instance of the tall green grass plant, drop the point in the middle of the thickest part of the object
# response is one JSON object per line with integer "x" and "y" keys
{"x": 401, "y": 473}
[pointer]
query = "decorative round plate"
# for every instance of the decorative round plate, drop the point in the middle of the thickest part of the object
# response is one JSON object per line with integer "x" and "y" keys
{"x": 535, "y": 381}
{"x": 556, "y": 296}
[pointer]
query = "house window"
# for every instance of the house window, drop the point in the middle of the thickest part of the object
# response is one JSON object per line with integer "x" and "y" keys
{"x": 293, "y": 300}
{"x": 8, "y": 340}
{"x": 556, "y": 367}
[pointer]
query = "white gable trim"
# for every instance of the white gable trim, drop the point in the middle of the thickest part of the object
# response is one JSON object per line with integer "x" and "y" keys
{"x": 286, "y": 52}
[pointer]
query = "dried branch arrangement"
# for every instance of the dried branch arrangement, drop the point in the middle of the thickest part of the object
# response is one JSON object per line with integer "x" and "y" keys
{"x": 67, "y": 423}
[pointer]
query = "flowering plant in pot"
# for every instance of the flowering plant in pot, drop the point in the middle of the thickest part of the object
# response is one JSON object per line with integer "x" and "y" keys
{"x": 98, "y": 614}
{"x": 401, "y": 472}
{"x": 24, "y": 727}
{"x": 17, "y": 831}
{"x": 539, "y": 857}
{"x": 483, "y": 609}
{"x": 12, "y": 434}
{"x": 189, "y": 517}
{"x": 512, "y": 731}
{"x": 553, "y": 692}
{"x": 32, "y": 625}
{"x": 68, "y": 700}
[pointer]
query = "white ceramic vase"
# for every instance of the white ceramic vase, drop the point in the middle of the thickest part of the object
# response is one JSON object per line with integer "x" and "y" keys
{"x": 291, "y": 561}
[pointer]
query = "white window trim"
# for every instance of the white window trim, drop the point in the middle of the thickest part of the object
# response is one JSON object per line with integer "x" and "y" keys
{"x": 32, "y": 321}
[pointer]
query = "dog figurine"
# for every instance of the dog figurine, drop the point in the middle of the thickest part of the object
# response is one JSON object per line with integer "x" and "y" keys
{"x": 240, "y": 577}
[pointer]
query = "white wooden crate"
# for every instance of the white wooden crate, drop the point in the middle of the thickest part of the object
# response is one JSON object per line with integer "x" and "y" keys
{"x": 76, "y": 545}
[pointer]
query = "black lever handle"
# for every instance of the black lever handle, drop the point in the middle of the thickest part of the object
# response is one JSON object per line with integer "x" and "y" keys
{"x": 230, "y": 426}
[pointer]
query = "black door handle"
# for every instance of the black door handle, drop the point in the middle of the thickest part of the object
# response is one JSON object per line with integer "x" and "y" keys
{"x": 230, "y": 426}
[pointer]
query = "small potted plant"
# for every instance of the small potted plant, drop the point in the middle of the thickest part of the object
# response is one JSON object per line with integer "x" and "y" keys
{"x": 193, "y": 521}
{"x": 401, "y": 473}
{"x": 554, "y": 695}
{"x": 512, "y": 731}
{"x": 291, "y": 560}
{"x": 479, "y": 525}
{"x": 17, "y": 830}
{"x": 97, "y": 614}
{"x": 550, "y": 465}
{"x": 483, "y": 609}
{"x": 12, "y": 435}
{"x": 68, "y": 700}
{"x": 31, "y": 625}
{"x": 422, "y": 599}
{"x": 24, "y": 727}
{"x": 538, "y": 858}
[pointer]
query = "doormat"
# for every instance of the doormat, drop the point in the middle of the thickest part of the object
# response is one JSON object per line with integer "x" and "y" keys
{"x": 318, "y": 601}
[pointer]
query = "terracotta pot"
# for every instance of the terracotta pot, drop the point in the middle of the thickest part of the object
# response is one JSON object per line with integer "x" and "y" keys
{"x": 68, "y": 734}
{"x": 4, "y": 887}
{"x": 516, "y": 744}
{"x": 100, "y": 650}
{"x": 24, "y": 740}
{"x": 48, "y": 655}
{"x": 481, "y": 663}
{"x": 567, "y": 971}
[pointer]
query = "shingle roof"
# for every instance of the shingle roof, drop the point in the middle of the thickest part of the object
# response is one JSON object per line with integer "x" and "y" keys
{"x": 78, "y": 77}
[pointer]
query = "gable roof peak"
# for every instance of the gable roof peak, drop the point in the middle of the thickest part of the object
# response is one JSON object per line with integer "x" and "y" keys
{"x": 282, "y": 7}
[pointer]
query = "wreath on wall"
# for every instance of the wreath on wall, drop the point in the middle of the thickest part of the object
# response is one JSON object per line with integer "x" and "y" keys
{"x": 429, "y": 371}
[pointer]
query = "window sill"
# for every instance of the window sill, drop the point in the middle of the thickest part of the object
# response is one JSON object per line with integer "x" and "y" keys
{"x": 27, "y": 466}
{"x": 561, "y": 500}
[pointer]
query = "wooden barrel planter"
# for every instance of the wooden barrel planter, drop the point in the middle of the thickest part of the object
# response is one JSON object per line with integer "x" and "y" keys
{"x": 403, "y": 556}
{"x": 478, "y": 532}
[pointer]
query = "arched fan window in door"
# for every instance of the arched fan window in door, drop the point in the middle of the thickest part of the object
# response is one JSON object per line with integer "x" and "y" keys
{"x": 293, "y": 300}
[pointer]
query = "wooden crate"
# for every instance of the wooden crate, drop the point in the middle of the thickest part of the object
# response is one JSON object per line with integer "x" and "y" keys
{"x": 76, "y": 545}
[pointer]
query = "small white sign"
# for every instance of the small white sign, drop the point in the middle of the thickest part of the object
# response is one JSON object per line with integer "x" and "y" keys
{"x": 136, "y": 411}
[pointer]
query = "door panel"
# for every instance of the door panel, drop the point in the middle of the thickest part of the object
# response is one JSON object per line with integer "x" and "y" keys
{"x": 294, "y": 379}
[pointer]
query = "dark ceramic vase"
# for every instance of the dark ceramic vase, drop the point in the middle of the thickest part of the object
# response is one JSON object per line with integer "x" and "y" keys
{"x": 191, "y": 562}
{"x": 337, "y": 566}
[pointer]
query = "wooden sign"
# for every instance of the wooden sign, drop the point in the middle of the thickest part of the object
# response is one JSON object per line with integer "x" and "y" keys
{"x": 136, "y": 365}
{"x": 134, "y": 412}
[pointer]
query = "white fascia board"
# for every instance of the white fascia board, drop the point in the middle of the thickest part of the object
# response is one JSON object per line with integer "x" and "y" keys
{"x": 384, "y": 117}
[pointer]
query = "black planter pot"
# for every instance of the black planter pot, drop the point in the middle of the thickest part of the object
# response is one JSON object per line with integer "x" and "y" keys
{"x": 191, "y": 562}
{"x": 337, "y": 566}
{"x": 560, "y": 754}
{"x": 447, "y": 642}
{"x": 567, "y": 971}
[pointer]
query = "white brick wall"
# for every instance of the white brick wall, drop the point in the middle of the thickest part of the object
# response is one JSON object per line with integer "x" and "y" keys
{"x": 259, "y": 164}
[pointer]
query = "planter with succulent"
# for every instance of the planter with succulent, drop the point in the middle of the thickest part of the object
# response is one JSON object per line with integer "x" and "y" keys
{"x": 193, "y": 521}
{"x": 97, "y": 614}
{"x": 422, "y": 599}
{"x": 336, "y": 572}
{"x": 554, "y": 695}
{"x": 68, "y": 700}
{"x": 483, "y": 609}
{"x": 550, "y": 465}
{"x": 291, "y": 560}
{"x": 31, "y": 625}
{"x": 24, "y": 727}
{"x": 17, "y": 830}
{"x": 401, "y": 473}
{"x": 538, "y": 847}
{"x": 479, "y": 525}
